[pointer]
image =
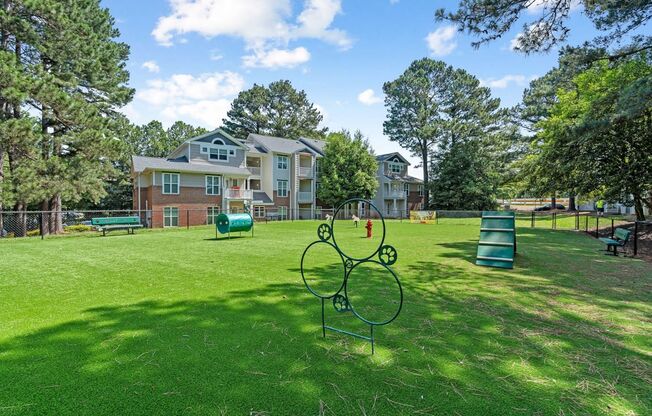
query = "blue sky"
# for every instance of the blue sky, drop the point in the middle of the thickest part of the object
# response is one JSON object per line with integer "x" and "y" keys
{"x": 189, "y": 58}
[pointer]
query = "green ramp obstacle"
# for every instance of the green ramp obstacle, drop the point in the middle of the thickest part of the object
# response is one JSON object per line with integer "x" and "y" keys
{"x": 497, "y": 245}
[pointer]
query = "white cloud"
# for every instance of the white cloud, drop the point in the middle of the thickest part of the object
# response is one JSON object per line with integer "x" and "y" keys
{"x": 322, "y": 111}
{"x": 266, "y": 26}
{"x": 368, "y": 97}
{"x": 538, "y": 6}
{"x": 536, "y": 30}
{"x": 151, "y": 66}
{"x": 202, "y": 99}
{"x": 216, "y": 55}
{"x": 506, "y": 81}
{"x": 277, "y": 58}
{"x": 442, "y": 41}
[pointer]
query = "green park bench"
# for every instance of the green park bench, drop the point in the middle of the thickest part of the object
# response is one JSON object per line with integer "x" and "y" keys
{"x": 116, "y": 223}
{"x": 621, "y": 237}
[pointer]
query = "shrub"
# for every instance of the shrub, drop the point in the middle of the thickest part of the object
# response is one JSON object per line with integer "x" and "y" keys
{"x": 78, "y": 228}
{"x": 33, "y": 233}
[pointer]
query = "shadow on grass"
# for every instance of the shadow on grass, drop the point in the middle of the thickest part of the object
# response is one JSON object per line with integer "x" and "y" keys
{"x": 260, "y": 351}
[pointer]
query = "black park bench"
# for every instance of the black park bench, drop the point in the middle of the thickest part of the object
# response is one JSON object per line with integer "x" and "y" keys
{"x": 621, "y": 237}
{"x": 116, "y": 223}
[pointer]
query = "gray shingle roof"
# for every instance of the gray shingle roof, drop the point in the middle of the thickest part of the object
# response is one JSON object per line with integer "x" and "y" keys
{"x": 315, "y": 144}
{"x": 387, "y": 156}
{"x": 262, "y": 197}
{"x": 403, "y": 178}
{"x": 280, "y": 145}
{"x": 142, "y": 163}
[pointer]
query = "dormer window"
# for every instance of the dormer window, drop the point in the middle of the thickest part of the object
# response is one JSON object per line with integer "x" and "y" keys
{"x": 395, "y": 167}
{"x": 218, "y": 154}
{"x": 218, "y": 141}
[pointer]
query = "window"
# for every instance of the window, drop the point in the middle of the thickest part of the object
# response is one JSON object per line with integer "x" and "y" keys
{"x": 406, "y": 188}
{"x": 231, "y": 152}
{"x": 218, "y": 154}
{"x": 204, "y": 149}
{"x": 317, "y": 186}
{"x": 218, "y": 141}
{"x": 395, "y": 168}
{"x": 283, "y": 212}
{"x": 420, "y": 190}
{"x": 211, "y": 215}
{"x": 170, "y": 217}
{"x": 171, "y": 183}
{"x": 282, "y": 162}
{"x": 282, "y": 188}
{"x": 213, "y": 185}
{"x": 259, "y": 211}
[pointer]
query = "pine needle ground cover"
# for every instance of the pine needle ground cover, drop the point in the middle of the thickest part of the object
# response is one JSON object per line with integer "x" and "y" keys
{"x": 176, "y": 322}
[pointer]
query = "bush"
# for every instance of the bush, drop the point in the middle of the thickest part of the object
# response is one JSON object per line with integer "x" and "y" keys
{"x": 33, "y": 233}
{"x": 78, "y": 228}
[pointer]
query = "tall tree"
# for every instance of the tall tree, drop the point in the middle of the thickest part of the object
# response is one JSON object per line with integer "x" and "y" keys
{"x": 277, "y": 110}
{"x": 433, "y": 108}
{"x": 75, "y": 81}
{"x": 347, "y": 170}
{"x": 599, "y": 135}
{"x": 491, "y": 19}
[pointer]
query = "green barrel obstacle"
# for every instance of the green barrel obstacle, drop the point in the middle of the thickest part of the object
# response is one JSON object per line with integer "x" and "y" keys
{"x": 231, "y": 223}
{"x": 497, "y": 245}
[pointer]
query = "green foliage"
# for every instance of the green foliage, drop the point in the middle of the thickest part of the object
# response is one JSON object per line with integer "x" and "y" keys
{"x": 597, "y": 139}
{"x": 63, "y": 78}
{"x": 277, "y": 110}
{"x": 347, "y": 170}
{"x": 443, "y": 116}
{"x": 78, "y": 228}
{"x": 33, "y": 233}
{"x": 489, "y": 20}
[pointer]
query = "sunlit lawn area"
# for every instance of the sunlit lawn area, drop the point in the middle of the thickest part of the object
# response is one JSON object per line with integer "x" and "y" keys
{"x": 175, "y": 322}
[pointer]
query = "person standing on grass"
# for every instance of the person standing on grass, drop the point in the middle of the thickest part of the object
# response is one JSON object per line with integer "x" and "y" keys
{"x": 599, "y": 206}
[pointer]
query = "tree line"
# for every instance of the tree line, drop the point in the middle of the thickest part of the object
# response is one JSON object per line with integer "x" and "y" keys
{"x": 582, "y": 129}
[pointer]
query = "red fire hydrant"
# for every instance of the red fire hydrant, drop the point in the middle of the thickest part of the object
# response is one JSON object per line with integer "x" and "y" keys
{"x": 369, "y": 226}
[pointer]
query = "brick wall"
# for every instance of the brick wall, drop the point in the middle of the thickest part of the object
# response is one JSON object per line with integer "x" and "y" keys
{"x": 191, "y": 201}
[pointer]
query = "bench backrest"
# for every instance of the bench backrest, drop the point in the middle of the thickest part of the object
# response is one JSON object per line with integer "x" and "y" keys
{"x": 115, "y": 221}
{"x": 622, "y": 234}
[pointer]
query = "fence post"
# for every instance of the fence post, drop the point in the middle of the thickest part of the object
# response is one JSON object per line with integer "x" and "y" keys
{"x": 554, "y": 220}
{"x": 40, "y": 225}
{"x": 635, "y": 237}
{"x": 597, "y": 225}
{"x": 187, "y": 219}
{"x": 577, "y": 220}
{"x": 586, "y": 223}
{"x": 612, "y": 228}
{"x": 532, "y": 222}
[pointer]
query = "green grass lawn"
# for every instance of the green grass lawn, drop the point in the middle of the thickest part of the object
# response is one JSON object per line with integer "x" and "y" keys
{"x": 176, "y": 322}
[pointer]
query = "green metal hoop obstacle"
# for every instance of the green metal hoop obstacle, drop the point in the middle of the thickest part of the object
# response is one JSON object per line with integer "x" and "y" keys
{"x": 386, "y": 256}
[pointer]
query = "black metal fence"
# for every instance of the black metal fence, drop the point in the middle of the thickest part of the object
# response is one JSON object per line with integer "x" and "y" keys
{"x": 40, "y": 224}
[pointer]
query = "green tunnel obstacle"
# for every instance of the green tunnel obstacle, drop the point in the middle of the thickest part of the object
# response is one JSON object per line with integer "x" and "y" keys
{"x": 497, "y": 245}
{"x": 231, "y": 223}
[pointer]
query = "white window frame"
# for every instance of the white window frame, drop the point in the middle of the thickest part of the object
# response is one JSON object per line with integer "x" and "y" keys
{"x": 406, "y": 188}
{"x": 212, "y": 179}
{"x": 211, "y": 215}
{"x": 282, "y": 162}
{"x": 395, "y": 167}
{"x": 420, "y": 190}
{"x": 259, "y": 211}
{"x": 167, "y": 215}
{"x": 221, "y": 142}
{"x": 278, "y": 188}
{"x": 169, "y": 176}
{"x": 283, "y": 212}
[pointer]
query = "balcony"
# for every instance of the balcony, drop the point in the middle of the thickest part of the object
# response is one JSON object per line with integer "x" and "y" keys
{"x": 235, "y": 193}
{"x": 255, "y": 170}
{"x": 305, "y": 171}
{"x": 305, "y": 197}
{"x": 393, "y": 194}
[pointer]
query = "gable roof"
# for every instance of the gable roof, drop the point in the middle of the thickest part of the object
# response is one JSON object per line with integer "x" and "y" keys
{"x": 316, "y": 145}
{"x": 392, "y": 157}
{"x": 143, "y": 163}
{"x": 280, "y": 145}
{"x": 216, "y": 134}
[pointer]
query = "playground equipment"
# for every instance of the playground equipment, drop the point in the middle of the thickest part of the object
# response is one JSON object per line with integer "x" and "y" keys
{"x": 228, "y": 223}
{"x": 387, "y": 256}
{"x": 497, "y": 245}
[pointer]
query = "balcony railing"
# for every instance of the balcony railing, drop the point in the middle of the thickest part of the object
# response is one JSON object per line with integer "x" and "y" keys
{"x": 255, "y": 170}
{"x": 234, "y": 193}
{"x": 305, "y": 196}
{"x": 305, "y": 172}
{"x": 395, "y": 194}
